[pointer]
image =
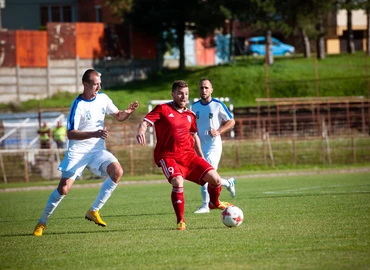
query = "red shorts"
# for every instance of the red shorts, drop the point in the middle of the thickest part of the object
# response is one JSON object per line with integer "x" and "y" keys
{"x": 194, "y": 169}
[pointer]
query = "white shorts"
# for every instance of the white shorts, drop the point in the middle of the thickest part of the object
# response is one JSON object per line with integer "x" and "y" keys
{"x": 213, "y": 157}
{"x": 74, "y": 164}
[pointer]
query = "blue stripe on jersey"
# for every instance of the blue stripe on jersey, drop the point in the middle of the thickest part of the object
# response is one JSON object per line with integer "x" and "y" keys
{"x": 224, "y": 106}
{"x": 72, "y": 112}
{"x": 217, "y": 101}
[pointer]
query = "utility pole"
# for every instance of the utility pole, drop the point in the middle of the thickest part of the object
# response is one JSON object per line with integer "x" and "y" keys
{"x": 2, "y": 5}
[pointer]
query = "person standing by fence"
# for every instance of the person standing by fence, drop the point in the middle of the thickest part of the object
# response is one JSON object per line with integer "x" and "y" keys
{"x": 86, "y": 148}
{"x": 59, "y": 135}
{"x": 44, "y": 136}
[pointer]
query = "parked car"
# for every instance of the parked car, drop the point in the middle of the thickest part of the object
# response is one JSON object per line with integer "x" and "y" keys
{"x": 256, "y": 46}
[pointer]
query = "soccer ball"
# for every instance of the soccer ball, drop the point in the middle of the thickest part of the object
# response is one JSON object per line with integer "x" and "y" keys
{"x": 232, "y": 216}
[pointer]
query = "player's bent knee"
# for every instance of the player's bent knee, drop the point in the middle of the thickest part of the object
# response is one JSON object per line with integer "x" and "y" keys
{"x": 213, "y": 178}
{"x": 115, "y": 171}
{"x": 177, "y": 181}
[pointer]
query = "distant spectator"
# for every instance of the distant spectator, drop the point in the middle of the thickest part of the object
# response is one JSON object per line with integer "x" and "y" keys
{"x": 44, "y": 136}
{"x": 59, "y": 134}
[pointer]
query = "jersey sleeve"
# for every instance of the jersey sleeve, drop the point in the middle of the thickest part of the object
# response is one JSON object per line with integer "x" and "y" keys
{"x": 225, "y": 113}
{"x": 154, "y": 115}
{"x": 193, "y": 127}
{"x": 110, "y": 108}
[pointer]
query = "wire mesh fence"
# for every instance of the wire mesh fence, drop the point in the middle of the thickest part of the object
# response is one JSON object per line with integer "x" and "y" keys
{"x": 31, "y": 165}
{"x": 283, "y": 132}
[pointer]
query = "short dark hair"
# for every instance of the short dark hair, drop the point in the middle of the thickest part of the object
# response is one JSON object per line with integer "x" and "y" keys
{"x": 87, "y": 75}
{"x": 178, "y": 84}
{"x": 205, "y": 79}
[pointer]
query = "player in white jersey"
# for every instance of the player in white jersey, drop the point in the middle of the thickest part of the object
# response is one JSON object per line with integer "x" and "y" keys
{"x": 86, "y": 149}
{"x": 213, "y": 119}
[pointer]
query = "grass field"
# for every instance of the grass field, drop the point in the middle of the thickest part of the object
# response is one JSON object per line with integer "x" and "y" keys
{"x": 291, "y": 222}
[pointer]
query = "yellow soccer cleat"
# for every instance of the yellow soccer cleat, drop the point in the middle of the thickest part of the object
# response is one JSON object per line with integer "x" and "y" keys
{"x": 221, "y": 206}
{"x": 39, "y": 229}
{"x": 95, "y": 216}
{"x": 181, "y": 226}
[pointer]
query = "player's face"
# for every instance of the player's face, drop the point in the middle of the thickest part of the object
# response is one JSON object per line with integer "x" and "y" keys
{"x": 205, "y": 90}
{"x": 180, "y": 97}
{"x": 92, "y": 88}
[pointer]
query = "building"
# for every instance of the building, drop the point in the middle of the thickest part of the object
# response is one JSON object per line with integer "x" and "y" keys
{"x": 33, "y": 15}
{"x": 337, "y": 31}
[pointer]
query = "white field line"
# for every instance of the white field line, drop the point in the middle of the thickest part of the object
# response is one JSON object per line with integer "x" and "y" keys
{"x": 297, "y": 190}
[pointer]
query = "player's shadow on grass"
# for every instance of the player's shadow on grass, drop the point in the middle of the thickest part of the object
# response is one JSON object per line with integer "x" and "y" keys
{"x": 82, "y": 217}
{"x": 106, "y": 230}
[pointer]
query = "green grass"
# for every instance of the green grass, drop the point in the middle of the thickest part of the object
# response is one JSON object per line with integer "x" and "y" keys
{"x": 291, "y": 222}
{"x": 243, "y": 81}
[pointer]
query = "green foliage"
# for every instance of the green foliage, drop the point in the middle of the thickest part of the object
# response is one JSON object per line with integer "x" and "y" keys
{"x": 316, "y": 221}
{"x": 243, "y": 81}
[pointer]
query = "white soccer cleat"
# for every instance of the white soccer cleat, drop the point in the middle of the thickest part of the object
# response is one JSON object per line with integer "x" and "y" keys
{"x": 202, "y": 210}
{"x": 231, "y": 188}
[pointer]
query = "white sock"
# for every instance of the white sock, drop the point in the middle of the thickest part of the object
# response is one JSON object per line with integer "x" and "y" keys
{"x": 54, "y": 199}
{"x": 205, "y": 195}
{"x": 225, "y": 183}
{"x": 106, "y": 191}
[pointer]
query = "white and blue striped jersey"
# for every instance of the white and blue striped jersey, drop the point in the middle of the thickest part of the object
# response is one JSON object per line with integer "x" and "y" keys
{"x": 89, "y": 115}
{"x": 209, "y": 116}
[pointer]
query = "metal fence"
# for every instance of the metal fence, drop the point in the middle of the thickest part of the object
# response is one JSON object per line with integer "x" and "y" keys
{"x": 31, "y": 165}
{"x": 304, "y": 117}
{"x": 297, "y": 132}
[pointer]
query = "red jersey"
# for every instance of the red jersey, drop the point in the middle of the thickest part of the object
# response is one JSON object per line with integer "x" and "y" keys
{"x": 174, "y": 131}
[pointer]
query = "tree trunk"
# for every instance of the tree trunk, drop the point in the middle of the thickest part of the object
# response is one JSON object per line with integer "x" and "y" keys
{"x": 231, "y": 42}
{"x": 350, "y": 44}
{"x": 368, "y": 32}
{"x": 269, "y": 57}
{"x": 306, "y": 43}
{"x": 320, "y": 42}
{"x": 160, "y": 52}
{"x": 180, "y": 37}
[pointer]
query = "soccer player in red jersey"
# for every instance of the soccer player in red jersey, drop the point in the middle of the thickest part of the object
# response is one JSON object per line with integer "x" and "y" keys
{"x": 178, "y": 151}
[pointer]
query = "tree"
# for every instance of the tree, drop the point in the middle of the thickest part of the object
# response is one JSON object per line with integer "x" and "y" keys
{"x": 299, "y": 15}
{"x": 319, "y": 10}
{"x": 173, "y": 18}
{"x": 368, "y": 31}
{"x": 349, "y": 6}
{"x": 365, "y": 5}
{"x": 236, "y": 10}
{"x": 269, "y": 16}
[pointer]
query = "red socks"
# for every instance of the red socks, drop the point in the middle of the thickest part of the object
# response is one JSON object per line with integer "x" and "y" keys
{"x": 214, "y": 194}
{"x": 178, "y": 202}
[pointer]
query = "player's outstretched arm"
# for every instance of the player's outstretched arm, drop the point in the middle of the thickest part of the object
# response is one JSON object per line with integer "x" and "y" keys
{"x": 123, "y": 115}
{"x": 140, "y": 135}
